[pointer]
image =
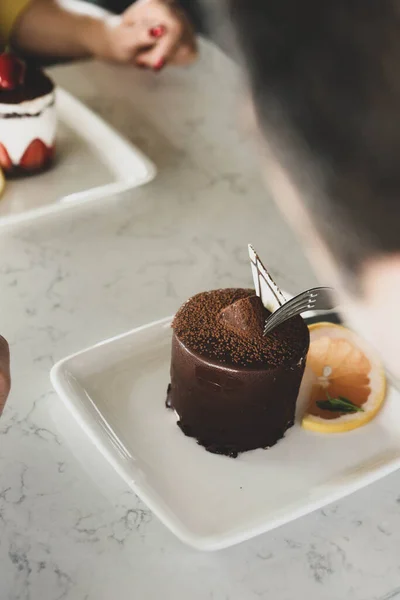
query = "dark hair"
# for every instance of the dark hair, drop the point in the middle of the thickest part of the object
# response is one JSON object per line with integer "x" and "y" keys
{"x": 325, "y": 76}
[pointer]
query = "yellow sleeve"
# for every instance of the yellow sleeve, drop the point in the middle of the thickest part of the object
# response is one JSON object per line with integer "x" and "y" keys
{"x": 9, "y": 11}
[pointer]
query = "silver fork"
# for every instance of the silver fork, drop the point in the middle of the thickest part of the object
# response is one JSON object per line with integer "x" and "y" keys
{"x": 319, "y": 298}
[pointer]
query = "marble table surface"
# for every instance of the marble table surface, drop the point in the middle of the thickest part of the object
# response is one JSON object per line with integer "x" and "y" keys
{"x": 69, "y": 528}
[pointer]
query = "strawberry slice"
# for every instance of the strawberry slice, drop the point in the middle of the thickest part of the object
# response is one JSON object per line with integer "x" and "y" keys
{"x": 35, "y": 156}
{"x": 5, "y": 160}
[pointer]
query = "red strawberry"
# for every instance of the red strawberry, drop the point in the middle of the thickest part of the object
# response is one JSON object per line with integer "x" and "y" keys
{"x": 5, "y": 160}
{"x": 12, "y": 71}
{"x": 35, "y": 156}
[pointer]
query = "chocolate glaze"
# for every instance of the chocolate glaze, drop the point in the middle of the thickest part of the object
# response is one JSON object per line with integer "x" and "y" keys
{"x": 36, "y": 85}
{"x": 231, "y": 405}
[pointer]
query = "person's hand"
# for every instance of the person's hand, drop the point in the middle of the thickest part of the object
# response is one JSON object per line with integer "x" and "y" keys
{"x": 5, "y": 380}
{"x": 150, "y": 34}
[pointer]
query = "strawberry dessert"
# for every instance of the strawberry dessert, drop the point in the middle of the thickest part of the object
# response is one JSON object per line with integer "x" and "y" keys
{"x": 27, "y": 117}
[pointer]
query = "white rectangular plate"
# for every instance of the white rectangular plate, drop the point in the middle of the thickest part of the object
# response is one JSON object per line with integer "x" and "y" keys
{"x": 92, "y": 161}
{"x": 117, "y": 389}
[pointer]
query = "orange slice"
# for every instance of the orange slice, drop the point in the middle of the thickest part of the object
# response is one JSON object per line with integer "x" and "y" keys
{"x": 342, "y": 365}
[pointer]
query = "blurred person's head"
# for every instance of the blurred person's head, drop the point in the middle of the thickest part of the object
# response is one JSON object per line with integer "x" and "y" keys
{"x": 325, "y": 79}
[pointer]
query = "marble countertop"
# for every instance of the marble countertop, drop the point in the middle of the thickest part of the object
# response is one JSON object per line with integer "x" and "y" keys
{"x": 70, "y": 529}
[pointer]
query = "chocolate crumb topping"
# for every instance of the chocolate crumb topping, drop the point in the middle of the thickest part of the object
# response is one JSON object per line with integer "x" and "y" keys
{"x": 226, "y": 325}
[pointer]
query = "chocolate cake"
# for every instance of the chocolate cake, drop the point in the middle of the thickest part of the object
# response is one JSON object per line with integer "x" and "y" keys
{"x": 232, "y": 388}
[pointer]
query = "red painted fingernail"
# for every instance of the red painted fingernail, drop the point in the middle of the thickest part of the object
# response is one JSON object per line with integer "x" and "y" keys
{"x": 157, "y": 31}
{"x": 159, "y": 65}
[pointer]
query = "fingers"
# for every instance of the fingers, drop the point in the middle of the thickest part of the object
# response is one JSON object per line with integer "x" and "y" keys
{"x": 149, "y": 34}
{"x": 124, "y": 42}
{"x": 5, "y": 381}
{"x": 161, "y": 52}
{"x": 130, "y": 40}
{"x": 176, "y": 46}
{"x": 172, "y": 37}
{"x": 176, "y": 52}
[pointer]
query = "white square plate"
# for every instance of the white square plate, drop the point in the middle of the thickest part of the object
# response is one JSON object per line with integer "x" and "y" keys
{"x": 92, "y": 161}
{"x": 117, "y": 389}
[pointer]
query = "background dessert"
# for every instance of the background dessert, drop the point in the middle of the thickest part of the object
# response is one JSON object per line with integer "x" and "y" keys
{"x": 232, "y": 388}
{"x": 27, "y": 117}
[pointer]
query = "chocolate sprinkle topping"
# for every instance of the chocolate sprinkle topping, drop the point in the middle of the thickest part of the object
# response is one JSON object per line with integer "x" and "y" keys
{"x": 202, "y": 325}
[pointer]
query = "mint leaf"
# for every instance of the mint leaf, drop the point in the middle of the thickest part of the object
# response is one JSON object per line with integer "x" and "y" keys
{"x": 339, "y": 404}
